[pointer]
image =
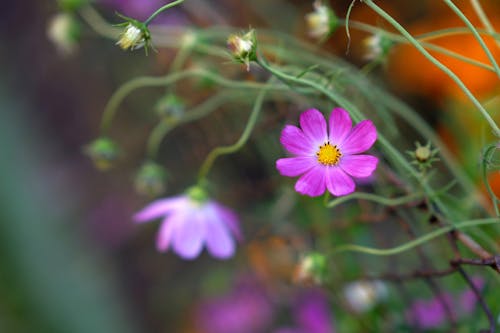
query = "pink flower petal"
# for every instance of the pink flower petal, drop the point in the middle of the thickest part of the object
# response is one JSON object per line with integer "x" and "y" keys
{"x": 160, "y": 208}
{"x": 362, "y": 137}
{"x": 217, "y": 237}
{"x": 312, "y": 183}
{"x": 188, "y": 237}
{"x": 340, "y": 126}
{"x": 295, "y": 166}
{"x": 294, "y": 140}
{"x": 313, "y": 124}
{"x": 338, "y": 182}
{"x": 359, "y": 165}
{"x": 167, "y": 229}
{"x": 229, "y": 217}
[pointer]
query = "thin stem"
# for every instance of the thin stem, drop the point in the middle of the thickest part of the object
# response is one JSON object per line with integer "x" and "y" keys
{"x": 484, "y": 19}
{"x": 252, "y": 120}
{"x": 161, "y": 9}
{"x": 474, "y": 31}
{"x": 488, "y": 153}
{"x": 98, "y": 24}
{"x": 376, "y": 198}
{"x": 148, "y": 81}
{"x": 416, "y": 242}
{"x": 445, "y": 69}
{"x": 200, "y": 111}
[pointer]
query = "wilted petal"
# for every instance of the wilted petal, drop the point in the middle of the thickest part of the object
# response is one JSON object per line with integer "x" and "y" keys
{"x": 217, "y": 237}
{"x": 312, "y": 183}
{"x": 295, "y": 166}
{"x": 313, "y": 124}
{"x": 359, "y": 165}
{"x": 160, "y": 208}
{"x": 338, "y": 182}
{"x": 295, "y": 141}
{"x": 188, "y": 237}
{"x": 340, "y": 126}
{"x": 361, "y": 138}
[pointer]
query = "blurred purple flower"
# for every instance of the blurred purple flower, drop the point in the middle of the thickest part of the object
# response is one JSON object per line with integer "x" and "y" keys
{"x": 431, "y": 313}
{"x": 246, "y": 309}
{"x": 311, "y": 313}
{"x": 327, "y": 160}
{"x": 142, "y": 9}
{"x": 190, "y": 223}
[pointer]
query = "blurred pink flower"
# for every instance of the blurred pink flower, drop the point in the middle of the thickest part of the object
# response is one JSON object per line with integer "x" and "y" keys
{"x": 312, "y": 314}
{"x": 245, "y": 309}
{"x": 327, "y": 160}
{"x": 142, "y": 9}
{"x": 190, "y": 222}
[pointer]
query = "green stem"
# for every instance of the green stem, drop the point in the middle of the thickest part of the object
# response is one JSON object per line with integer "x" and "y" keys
{"x": 488, "y": 153}
{"x": 161, "y": 9}
{"x": 438, "y": 64}
{"x": 148, "y": 81}
{"x": 475, "y": 33}
{"x": 252, "y": 120}
{"x": 483, "y": 18}
{"x": 414, "y": 243}
{"x": 200, "y": 111}
{"x": 376, "y": 198}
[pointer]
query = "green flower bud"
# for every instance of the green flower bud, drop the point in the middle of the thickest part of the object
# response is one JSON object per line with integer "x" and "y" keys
{"x": 103, "y": 153}
{"x": 64, "y": 31}
{"x": 135, "y": 34}
{"x": 150, "y": 179}
{"x": 243, "y": 48}
{"x": 311, "y": 269}
{"x": 423, "y": 156}
{"x": 170, "y": 107}
{"x": 322, "y": 22}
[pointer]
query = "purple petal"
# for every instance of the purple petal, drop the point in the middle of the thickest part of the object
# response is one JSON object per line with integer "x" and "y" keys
{"x": 219, "y": 242}
{"x": 167, "y": 228}
{"x": 294, "y": 140}
{"x": 338, "y": 182}
{"x": 229, "y": 217}
{"x": 340, "y": 126}
{"x": 313, "y": 124}
{"x": 312, "y": 183}
{"x": 359, "y": 165}
{"x": 295, "y": 166}
{"x": 160, "y": 208}
{"x": 361, "y": 138}
{"x": 188, "y": 237}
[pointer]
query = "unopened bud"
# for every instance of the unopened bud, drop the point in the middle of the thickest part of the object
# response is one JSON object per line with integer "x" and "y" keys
{"x": 243, "y": 48}
{"x": 376, "y": 46}
{"x": 170, "y": 107}
{"x": 151, "y": 179}
{"x": 362, "y": 296}
{"x": 64, "y": 31}
{"x": 103, "y": 153}
{"x": 322, "y": 22}
{"x": 311, "y": 269}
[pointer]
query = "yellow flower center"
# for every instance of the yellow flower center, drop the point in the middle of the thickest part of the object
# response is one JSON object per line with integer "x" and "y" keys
{"x": 328, "y": 154}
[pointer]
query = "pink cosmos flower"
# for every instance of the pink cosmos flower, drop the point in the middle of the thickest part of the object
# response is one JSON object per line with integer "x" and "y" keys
{"x": 189, "y": 222}
{"x": 327, "y": 160}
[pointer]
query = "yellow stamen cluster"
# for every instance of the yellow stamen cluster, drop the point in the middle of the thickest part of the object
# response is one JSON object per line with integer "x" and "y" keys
{"x": 328, "y": 155}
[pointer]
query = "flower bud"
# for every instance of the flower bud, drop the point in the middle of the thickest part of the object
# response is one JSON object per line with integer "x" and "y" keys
{"x": 322, "y": 22}
{"x": 311, "y": 270}
{"x": 423, "y": 156}
{"x": 376, "y": 46}
{"x": 103, "y": 153}
{"x": 64, "y": 31}
{"x": 150, "y": 179}
{"x": 362, "y": 296}
{"x": 243, "y": 48}
{"x": 170, "y": 107}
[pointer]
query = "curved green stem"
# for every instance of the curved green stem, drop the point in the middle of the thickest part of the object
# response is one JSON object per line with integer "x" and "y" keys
{"x": 438, "y": 64}
{"x": 376, "y": 198}
{"x": 488, "y": 154}
{"x": 413, "y": 243}
{"x": 161, "y": 9}
{"x": 200, "y": 111}
{"x": 148, "y": 81}
{"x": 252, "y": 120}
{"x": 483, "y": 18}
{"x": 474, "y": 31}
